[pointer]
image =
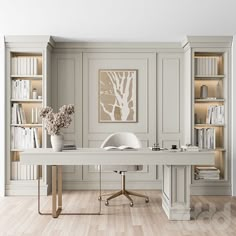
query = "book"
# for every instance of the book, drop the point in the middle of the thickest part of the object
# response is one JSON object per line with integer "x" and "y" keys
{"x": 69, "y": 147}
{"x": 36, "y": 137}
{"x": 119, "y": 148}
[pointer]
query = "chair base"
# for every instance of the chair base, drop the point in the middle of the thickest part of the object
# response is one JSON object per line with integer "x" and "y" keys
{"x": 127, "y": 194}
{"x": 124, "y": 192}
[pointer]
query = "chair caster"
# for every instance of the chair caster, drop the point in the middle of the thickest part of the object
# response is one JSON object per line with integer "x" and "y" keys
{"x": 106, "y": 203}
{"x": 99, "y": 198}
{"x": 146, "y": 200}
{"x": 131, "y": 204}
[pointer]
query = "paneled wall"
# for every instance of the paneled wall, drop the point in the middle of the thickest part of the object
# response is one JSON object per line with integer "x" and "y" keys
{"x": 170, "y": 99}
{"x": 75, "y": 80}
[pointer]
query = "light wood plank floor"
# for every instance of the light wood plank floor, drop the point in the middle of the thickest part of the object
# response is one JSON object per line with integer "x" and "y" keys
{"x": 211, "y": 215}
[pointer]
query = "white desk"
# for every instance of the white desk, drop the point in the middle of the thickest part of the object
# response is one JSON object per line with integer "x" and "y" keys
{"x": 176, "y": 171}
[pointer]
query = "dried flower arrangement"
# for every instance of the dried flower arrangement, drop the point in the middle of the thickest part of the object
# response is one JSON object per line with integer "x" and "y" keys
{"x": 55, "y": 121}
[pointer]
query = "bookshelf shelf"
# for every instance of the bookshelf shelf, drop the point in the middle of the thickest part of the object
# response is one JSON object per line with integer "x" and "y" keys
{"x": 26, "y": 125}
{"x": 209, "y": 125}
{"x": 209, "y": 77}
{"x": 33, "y": 77}
{"x": 27, "y": 100}
{"x": 198, "y": 100}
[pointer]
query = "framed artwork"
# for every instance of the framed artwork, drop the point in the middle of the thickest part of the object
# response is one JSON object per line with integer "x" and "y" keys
{"x": 117, "y": 95}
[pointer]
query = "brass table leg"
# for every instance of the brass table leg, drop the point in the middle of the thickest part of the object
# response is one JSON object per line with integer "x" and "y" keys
{"x": 57, "y": 193}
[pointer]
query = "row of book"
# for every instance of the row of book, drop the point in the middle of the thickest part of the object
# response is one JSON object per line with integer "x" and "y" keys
{"x": 20, "y": 89}
{"x": 206, "y": 65}
{"x": 22, "y": 65}
{"x": 205, "y": 138}
{"x": 207, "y": 173}
{"x": 23, "y": 138}
{"x": 23, "y": 172}
{"x": 215, "y": 115}
{"x": 18, "y": 114}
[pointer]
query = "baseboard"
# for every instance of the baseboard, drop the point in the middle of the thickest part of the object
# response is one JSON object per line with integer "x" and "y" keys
{"x": 89, "y": 185}
{"x": 14, "y": 190}
{"x": 210, "y": 190}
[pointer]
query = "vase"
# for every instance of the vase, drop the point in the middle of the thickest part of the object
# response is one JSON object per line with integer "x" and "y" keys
{"x": 57, "y": 142}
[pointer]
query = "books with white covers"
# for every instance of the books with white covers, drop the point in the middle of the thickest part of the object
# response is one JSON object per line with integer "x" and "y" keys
{"x": 190, "y": 148}
{"x": 24, "y": 138}
{"x": 24, "y": 65}
{"x": 207, "y": 172}
{"x": 18, "y": 114}
{"x": 206, "y": 65}
{"x": 205, "y": 138}
{"x": 215, "y": 115}
{"x": 20, "y": 89}
{"x": 23, "y": 172}
{"x": 119, "y": 148}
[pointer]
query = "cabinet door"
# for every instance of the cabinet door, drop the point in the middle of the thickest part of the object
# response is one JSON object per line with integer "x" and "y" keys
{"x": 170, "y": 99}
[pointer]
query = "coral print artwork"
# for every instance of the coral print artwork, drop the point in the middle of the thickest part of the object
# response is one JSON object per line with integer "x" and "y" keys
{"x": 117, "y": 95}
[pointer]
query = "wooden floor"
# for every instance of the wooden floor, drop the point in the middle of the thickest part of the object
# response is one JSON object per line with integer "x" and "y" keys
{"x": 212, "y": 215}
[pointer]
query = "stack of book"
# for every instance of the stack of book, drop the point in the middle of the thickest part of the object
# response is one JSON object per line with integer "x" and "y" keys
{"x": 24, "y": 65}
{"x": 207, "y": 172}
{"x": 20, "y": 89}
{"x": 215, "y": 115}
{"x": 69, "y": 147}
{"x": 206, "y": 66}
{"x": 205, "y": 138}
{"x": 190, "y": 148}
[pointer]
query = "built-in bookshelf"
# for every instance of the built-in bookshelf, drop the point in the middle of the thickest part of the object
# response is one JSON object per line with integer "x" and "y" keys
{"x": 26, "y": 101}
{"x": 210, "y": 116}
{"x": 208, "y": 75}
{"x": 209, "y": 111}
{"x": 27, "y": 80}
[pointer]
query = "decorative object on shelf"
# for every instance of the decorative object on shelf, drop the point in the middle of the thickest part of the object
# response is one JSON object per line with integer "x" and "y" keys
{"x": 218, "y": 92}
{"x": 117, "y": 95}
{"x": 57, "y": 142}
{"x": 156, "y": 147}
{"x": 55, "y": 121}
{"x": 34, "y": 93}
{"x": 204, "y": 91}
{"x": 174, "y": 146}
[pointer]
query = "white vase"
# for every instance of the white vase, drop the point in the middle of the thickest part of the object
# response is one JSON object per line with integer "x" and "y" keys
{"x": 57, "y": 142}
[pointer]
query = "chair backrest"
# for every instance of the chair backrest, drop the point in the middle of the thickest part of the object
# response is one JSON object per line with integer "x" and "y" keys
{"x": 122, "y": 138}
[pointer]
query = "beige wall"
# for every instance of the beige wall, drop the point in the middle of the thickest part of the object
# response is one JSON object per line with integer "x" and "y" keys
{"x": 75, "y": 80}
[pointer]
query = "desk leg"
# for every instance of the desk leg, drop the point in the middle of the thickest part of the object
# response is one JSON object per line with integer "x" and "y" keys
{"x": 39, "y": 168}
{"x": 56, "y": 210}
{"x": 54, "y": 191}
{"x": 176, "y": 191}
{"x": 59, "y": 168}
{"x": 57, "y": 192}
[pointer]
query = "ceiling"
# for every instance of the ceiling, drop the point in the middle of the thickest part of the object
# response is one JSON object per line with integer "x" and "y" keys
{"x": 118, "y": 20}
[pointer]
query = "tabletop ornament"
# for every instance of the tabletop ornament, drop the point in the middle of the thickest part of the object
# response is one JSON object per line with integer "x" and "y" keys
{"x": 54, "y": 122}
{"x": 156, "y": 147}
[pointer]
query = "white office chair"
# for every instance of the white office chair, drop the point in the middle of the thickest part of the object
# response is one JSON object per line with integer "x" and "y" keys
{"x": 119, "y": 139}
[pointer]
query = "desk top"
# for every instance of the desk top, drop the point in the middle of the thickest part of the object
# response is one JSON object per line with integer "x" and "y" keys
{"x": 98, "y": 156}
